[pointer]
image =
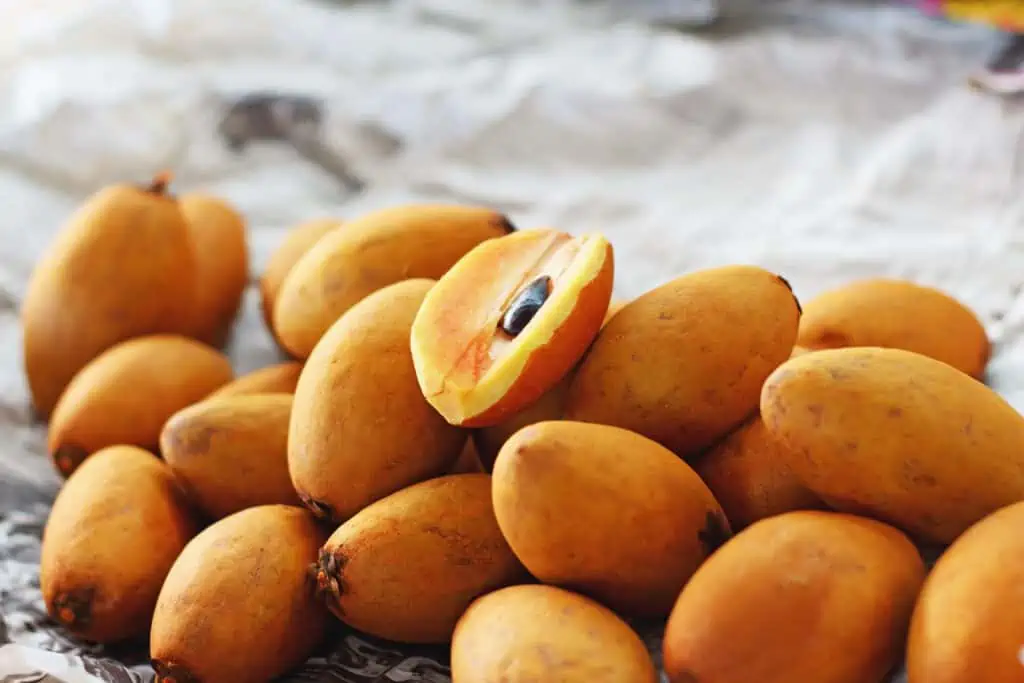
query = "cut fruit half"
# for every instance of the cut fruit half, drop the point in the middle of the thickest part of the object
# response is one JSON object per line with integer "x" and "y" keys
{"x": 508, "y": 321}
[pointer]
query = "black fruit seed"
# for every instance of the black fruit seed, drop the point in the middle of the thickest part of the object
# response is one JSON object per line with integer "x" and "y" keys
{"x": 525, "y": 306}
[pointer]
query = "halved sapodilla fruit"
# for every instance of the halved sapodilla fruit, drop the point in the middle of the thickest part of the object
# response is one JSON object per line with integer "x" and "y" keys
{"x": 508, "y": 321}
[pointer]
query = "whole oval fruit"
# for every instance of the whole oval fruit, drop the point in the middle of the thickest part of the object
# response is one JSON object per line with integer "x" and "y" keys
{"x": 611, "y": 480}
{"x": 899, "y": 436}
{"x": 231, "y": 453}
{"x": 523, "y": 634}
{"x": 360, "y": 426}
{"x": 683, "y": 364}
{"x": 238, "y": 604}
{"x": 114, "y": 531}
{"x": 804, "y": 596}
{"x": 127, "y": 393}
{"x": 968, "y": 625}
{"x": 406, "y": 567}
{"x": 897, "y": 314}
{"x": 372, "y": 252}
{"x": 750, "y": 475}
{"x": 281, "y": 378}
{"x": 123, "y": 266}
{"x": 222, "y": 264}
{"x": 295, "y": 244}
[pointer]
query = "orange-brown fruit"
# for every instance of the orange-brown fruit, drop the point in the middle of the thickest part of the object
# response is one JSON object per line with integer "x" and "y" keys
{"x": 231, "y": 453}
{"x": 113, "y": 533}
{"x": 898, "y": 436}
{"x": 372, "y": 252}
{"x": 898, "y": 314}
{"x": 550, "y": 406}
{"x": 238, "y": 605}
{"x": 805, "y": 596}
{"x": 222, "y": 263}
{"x": 508, "y": 321}
{"x": 525, "y": 634}
{"x": 968, "y": 625}
{"x": 683, "y": 364}
{"x": 123, "y": 266}
{"x": 126, "y": 394}
{"x": 295, "y": 244}
{"x": 406, "y": 567}
{"x": 751, "y": 477}
{"x": 360, "y": 427}
{"x": 273, "y": 379}
{"x": 567, "y": 496}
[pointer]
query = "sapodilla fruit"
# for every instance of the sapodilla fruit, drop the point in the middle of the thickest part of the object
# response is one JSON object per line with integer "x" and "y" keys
{"x": 683, "y": 364}
{"x": 968, "y": 625}
{"x": 238, "y": 605}
{"x": 295, "y": 244}
{"x": 379, "y": 249}
{"x": 610, "y": 479}
{"x": 506, "y": 323}
{"x": 804, "y": 596}
{"x": 273, "y": 379}
{"x": 123, "y": 266}
{"x": 360, "y": 428}
{"x": 115, "y": 529}
{"x": 222, "y": 261}
{"x": 894, "y": 313}
{"x": 127, "y": 393}
{"x": 530, "y": 633}
{"x": 406, "y": 567}
{"x": 231, "y": 453}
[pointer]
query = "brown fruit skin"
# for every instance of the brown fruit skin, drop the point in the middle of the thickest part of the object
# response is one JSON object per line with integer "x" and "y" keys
{"x": 805, "y": 596}
{"x": 750, "y": 476}
{"x": 115, "y": 529}
{"x": 894, "y": 313}
{"x": 273, "y": 379}
{"x": 360, "y": 427}
{"x": 683, "y": 364}
{"x": 238, "y": 604}
{"x": 968, "y": 625}
{"x": 127, "y": 393}
{"x": 406, "y": 567}
{"x": 612, "y": 480}
{"x": 222, "y": 264}
{"x": 372, "y": 252}
{"x": 897, "y": 436}
{"x": 295, "y": 244}
{"x": 523, "y": 634}
{"x": 231, "y": 453}
{"x": 123, "y": 266}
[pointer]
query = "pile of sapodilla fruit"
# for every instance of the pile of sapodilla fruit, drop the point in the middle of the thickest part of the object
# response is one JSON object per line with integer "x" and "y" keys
{"x": 474, "y": 445}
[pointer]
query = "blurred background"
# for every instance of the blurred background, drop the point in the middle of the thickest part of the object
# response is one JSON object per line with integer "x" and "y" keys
{"x": 823, "y": 139}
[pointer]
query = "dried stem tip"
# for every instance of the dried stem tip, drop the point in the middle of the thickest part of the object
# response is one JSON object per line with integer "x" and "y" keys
{"x": 161, "y": 181}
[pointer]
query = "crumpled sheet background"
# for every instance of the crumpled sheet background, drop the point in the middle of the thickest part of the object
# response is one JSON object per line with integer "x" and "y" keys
{"x": 826, "y": 140}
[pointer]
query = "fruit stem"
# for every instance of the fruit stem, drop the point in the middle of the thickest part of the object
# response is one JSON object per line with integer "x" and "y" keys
{"x": 160, "y": 182}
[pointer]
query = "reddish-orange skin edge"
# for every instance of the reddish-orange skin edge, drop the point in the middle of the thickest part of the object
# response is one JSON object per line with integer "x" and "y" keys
{"x": 568, "y": 343}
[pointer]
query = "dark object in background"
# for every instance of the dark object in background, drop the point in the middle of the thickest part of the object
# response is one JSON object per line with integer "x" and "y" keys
{"x": 294, "y": 119}
{"x": 1004, "y": 73}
